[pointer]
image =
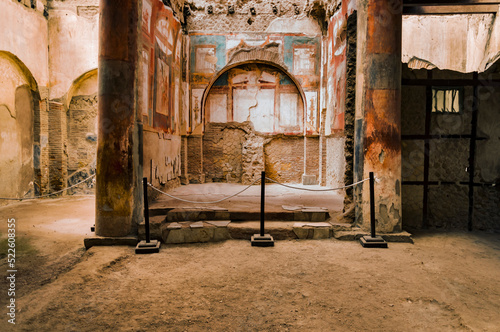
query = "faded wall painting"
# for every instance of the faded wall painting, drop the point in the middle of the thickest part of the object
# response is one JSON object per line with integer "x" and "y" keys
{"x": 264, "y": 96}
{"x": 159, "y": 93}
{"x": 160, "y": 66}
{"x": 258, "y": 94}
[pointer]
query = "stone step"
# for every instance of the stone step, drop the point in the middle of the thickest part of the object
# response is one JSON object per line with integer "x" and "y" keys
{"x": 183, "y": 214}
{"x": 356, "y": 234}
{"x": 220, "y": 230}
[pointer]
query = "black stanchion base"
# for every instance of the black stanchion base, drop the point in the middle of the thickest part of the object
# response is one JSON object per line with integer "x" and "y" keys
{"x": 144, "y": 247}
{"x": 262, "y": 241}
{"x": 373, "y": 242}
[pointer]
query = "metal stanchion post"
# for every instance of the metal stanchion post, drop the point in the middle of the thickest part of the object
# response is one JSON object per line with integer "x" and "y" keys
{"x": 147, "y": 246}
{"x": 262, "y": 240}
{"x": 372, "y": 241}
{"x": 262, "y": 202}
{"x": 372, "y": 204}
{"x": 146, "y": 207}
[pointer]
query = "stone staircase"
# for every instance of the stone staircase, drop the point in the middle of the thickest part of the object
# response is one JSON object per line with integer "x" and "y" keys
{"x": 197, "y": 225}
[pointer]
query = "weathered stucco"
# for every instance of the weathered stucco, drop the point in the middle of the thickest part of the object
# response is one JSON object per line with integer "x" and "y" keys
{"x": 463, "y": 43}
{"x": 73, "y": 34}
{"x": 17, "y": 101}
{"x": 24, "y": 34}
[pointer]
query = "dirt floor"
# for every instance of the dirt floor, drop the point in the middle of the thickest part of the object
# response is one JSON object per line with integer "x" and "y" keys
{"x": 442, "y": 282}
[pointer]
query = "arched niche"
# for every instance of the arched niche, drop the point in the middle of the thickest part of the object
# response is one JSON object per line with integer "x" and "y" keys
{"x": 19, "y": 128}
{"x": 81, "y": 101}
{"x": 259, "y": 91}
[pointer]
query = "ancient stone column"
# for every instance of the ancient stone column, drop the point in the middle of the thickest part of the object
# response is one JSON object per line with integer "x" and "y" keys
{"x": 118, "y": 202}
{"x": 378, "y": 112}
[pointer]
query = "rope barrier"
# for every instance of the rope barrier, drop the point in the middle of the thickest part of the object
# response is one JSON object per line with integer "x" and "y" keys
{"x": 188, "y": 201}
{"x": 239, "y": 192}
{"x": 307, "y": 189}
{"x": 46, "y": 195}
{"x": 211, "y": 202}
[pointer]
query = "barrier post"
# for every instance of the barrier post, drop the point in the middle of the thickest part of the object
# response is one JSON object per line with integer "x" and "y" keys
{"x": 372, "y": 204}
{"x": 372, "y": 241}
{"x": 147, "y": 246}
{"x": 146, "y": 207}
{"x": 262, "y": 239}
{"x": 262, "y": 202}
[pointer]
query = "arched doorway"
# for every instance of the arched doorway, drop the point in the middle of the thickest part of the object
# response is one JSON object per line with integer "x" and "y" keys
{"x": 254, "y": 119}
{"x": 19, "y": 128}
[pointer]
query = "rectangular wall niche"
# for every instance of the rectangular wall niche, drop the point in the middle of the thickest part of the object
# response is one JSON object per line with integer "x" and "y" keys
{"x": 446, "y": 100}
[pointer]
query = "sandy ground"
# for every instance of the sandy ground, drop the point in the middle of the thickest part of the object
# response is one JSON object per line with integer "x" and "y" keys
{"x": 443, "y": 282}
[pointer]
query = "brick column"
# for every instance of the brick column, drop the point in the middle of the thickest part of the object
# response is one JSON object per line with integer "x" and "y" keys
{"x": 58, "y": 157}
{"x": 118, "y": 193}
{"x": 378, "y": 111}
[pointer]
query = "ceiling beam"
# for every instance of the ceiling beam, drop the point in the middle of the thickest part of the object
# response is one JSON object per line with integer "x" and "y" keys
{"x": 450, "y": 9}
{"x": 449, "y": 2}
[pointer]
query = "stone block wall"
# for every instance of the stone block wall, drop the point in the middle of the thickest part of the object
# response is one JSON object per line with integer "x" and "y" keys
{"x": 285, "y": 159}
{"x": 222, "y": 147}
{"x": 234, "y": 152}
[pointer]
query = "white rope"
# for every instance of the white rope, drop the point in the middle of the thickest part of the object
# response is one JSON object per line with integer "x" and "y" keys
{"x": 307, "y": 189}
{"x": 46, "y": 195}
{"x": 211, "y": 202}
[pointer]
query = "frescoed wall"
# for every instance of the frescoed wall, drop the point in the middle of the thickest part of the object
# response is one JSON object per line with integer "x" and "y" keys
{"x": 257, "y": 87}
{"x": 160, "y": 91}
{"x": 296, "y": 53}
{"x": 337, "y": 68}
{"x": 340, "y": 84}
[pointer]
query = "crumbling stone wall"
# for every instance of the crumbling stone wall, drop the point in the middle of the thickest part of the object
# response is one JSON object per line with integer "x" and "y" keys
{"x": 350, "y": 110}
{"x": 235, "y": 152}
{"x": 245, "y": 15}
{"x": 222, "y": 146}
{"x": 252, "y": 157}
{"x": 285, "y": 159}
{"x": 82, "y": 141}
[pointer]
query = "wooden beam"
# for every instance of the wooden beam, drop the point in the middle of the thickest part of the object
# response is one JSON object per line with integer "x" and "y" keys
{"x": 408, "y": 3}
{"x": 450, "y": 9}
{"x": 450, "y": 82}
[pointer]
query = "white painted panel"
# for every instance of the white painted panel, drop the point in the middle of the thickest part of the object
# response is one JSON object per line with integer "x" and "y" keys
{"x": 243, "y": 99}
{"x": 217, "y": 106}
{"x": 262, "y": 115}
{"x": 288, "y": 109}
{"x": 256, "y": 106}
